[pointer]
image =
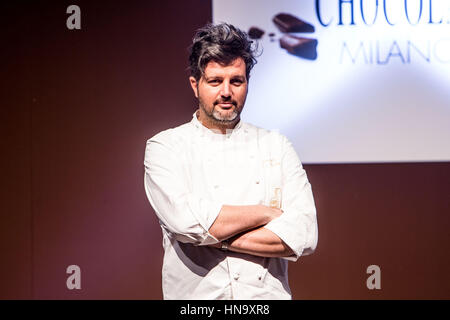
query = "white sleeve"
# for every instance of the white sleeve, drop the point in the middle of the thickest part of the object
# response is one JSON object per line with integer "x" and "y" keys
{"x": 184, "y": 215}
{"x": 297, "y": 226}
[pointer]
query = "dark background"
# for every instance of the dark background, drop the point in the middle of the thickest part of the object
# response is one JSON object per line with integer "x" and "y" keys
{"x": 77, "y": 108}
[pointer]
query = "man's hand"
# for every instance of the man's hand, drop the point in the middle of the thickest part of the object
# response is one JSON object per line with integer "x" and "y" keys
{"x": 274, "y": 212}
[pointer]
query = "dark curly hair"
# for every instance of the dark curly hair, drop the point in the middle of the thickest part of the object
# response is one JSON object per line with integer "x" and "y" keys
{"x": 221, "y": 43}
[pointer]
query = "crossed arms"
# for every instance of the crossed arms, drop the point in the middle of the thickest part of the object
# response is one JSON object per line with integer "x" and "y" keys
{"x": 243, "y": 228}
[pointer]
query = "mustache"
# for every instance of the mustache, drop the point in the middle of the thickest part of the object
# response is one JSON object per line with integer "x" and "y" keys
{"x": 233, "y": 102}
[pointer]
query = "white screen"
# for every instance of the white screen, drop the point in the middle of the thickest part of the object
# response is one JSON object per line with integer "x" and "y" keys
{"x": 376, "y": 92}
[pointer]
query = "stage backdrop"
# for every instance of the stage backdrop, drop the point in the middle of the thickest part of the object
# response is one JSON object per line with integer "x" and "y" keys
{"x": 350, "y": 81}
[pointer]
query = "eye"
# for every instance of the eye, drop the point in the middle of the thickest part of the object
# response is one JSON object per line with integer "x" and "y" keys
{"x": 237, "y": 82}
{"x": 214, "y": 82}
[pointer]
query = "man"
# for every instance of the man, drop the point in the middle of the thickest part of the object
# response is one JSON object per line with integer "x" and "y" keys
{"x": 232, "y": 199}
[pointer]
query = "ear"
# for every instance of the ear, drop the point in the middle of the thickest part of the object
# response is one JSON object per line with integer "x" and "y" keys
{"x": 194, "y": 85}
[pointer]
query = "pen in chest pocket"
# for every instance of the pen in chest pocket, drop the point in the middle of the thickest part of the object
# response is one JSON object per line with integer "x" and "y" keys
{"x": 273, "y": 183}
{"x": 275, "y": 200}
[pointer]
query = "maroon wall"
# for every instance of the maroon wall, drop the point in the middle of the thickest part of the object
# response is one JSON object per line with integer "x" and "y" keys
{"x": 77, "y": 108}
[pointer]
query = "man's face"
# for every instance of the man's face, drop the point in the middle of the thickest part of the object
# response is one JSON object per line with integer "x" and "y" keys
{"x": 221, "y": 92}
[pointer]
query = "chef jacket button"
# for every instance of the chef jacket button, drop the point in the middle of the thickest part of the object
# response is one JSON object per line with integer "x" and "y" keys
{"x": 259, "y": 277}
{"x": 257, "y": 182}
{"x": 236, "y": 276}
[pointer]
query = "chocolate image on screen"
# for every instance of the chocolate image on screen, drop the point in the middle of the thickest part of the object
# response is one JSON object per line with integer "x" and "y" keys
{"x": 301, "y": 47}
{"x": 289, "y": 23}
{"x": 255, "y": 33}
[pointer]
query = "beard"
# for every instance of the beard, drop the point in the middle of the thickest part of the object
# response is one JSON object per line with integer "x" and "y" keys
{"x": 217, "y": 115}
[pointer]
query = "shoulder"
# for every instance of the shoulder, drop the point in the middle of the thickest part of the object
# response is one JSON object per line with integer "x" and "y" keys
{"x": 168, "y": 143}
{"x": 172, "y": 135}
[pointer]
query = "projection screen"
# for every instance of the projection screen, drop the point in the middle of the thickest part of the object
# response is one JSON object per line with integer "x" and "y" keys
{"x": 350, "y": 81}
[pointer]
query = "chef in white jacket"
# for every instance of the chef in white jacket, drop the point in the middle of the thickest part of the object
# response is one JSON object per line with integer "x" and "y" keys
{"x": 233, "y": 200}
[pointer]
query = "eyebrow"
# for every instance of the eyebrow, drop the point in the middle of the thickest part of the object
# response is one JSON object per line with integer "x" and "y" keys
{"x": 239, "y": 77}
{"x": 212, "y": 77}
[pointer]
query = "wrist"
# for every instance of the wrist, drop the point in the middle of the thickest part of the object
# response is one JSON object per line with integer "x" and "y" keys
{"x": 224, "y": 245}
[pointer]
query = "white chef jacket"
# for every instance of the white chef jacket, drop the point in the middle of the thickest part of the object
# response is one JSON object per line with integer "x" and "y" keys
{"x": 190, "y": 172}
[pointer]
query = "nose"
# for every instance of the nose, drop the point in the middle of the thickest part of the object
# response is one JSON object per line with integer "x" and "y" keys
{"x": 225, "y": 90}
